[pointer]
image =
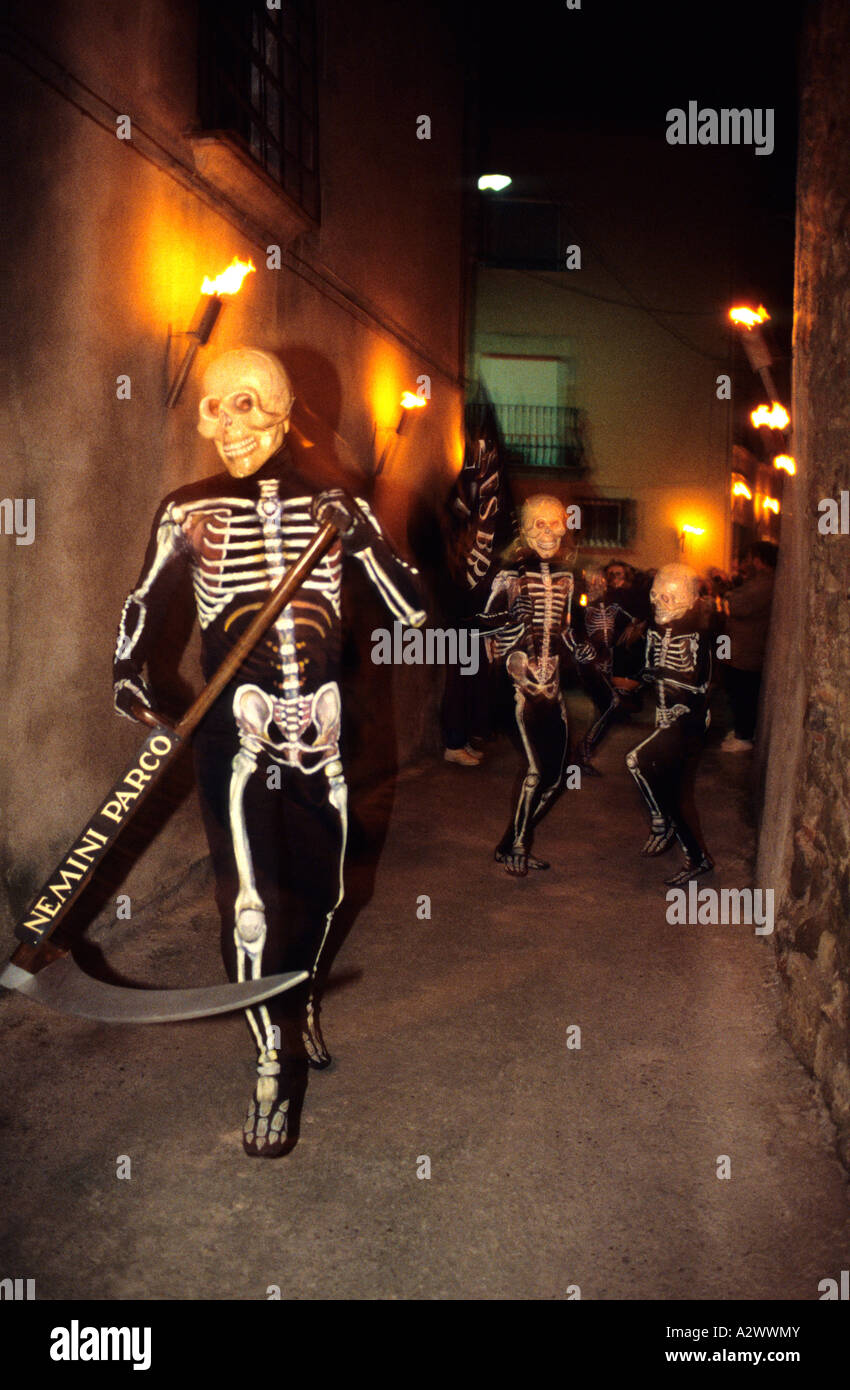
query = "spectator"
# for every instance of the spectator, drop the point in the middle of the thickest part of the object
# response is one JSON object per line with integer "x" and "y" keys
{"x": 630, "y": 590}
{"x": 747, "y": 609}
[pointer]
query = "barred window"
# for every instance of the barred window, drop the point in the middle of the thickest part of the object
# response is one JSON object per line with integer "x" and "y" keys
{"x": 607, "y": 523}
{"x": 258, "y": 83}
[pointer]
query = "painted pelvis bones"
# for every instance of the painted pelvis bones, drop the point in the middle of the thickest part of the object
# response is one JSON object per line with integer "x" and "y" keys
{"x": 278, "y": 726}
{"x": 532, "y": 677}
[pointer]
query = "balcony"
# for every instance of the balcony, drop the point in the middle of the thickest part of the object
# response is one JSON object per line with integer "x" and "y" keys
{"x": 542, "y": 437}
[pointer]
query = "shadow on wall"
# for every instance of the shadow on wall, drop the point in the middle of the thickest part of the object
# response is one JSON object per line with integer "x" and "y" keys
{"x": 320, "y": 451}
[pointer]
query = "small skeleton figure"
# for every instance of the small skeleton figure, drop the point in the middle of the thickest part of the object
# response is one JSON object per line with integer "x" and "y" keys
{"x": 528, "y": 614}
{"x": 270, "y": 779}
{"x": 605, "y": 621}
{"x": 678, "y": 661}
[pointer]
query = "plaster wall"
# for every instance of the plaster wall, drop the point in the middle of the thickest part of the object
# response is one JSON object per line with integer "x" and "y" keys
{"x": 656, "y": 431}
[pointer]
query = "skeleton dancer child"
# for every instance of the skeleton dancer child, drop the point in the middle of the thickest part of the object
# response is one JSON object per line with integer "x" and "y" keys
{"x": 528, "y": 615}
{"x": 678, "y": 661}
{"x": 269, "y": 775}
{"x": 605, "y": 621}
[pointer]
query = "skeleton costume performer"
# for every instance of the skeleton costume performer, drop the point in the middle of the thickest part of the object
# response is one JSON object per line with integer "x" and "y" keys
{"x": 605, "y": 621}
{"x": 678, "y": 662}
{"x": 528, "y": 616}
{"x": 271, "y": 784}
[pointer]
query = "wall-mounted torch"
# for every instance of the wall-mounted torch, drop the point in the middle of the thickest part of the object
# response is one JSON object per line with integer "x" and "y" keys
{"x": 758, "y": 353}
{"x": 774, "y": 417}
{"x": 229, "y": 282}
{"x": 410, "y": 403}
{"x": 689, "y": 530}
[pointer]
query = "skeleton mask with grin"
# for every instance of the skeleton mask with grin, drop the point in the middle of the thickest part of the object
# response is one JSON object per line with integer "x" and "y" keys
{"x": 675, "y": 589}
{"x": 543, "y": 525}
{"x": 245, "y": 408}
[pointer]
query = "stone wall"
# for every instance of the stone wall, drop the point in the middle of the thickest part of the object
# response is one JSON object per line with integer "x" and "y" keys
{"x": 804, "y": 753}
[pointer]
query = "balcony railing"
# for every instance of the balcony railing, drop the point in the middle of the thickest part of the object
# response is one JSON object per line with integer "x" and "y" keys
{"x": 541, "y": 436}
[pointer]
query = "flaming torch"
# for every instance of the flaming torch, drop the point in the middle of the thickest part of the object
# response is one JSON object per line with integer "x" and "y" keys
{"x": 689, "y": 530}
{"x": 409, "y": 404}
{"x": 229, "y": 282}
{"x": 758, "y": 353}
{"x": 775, "y": 417}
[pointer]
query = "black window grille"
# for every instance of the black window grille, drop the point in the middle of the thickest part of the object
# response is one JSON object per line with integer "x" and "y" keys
{"x": 541, "y": 436}
{"x": 258, "y": 82}
{"x": 608, "y": 523}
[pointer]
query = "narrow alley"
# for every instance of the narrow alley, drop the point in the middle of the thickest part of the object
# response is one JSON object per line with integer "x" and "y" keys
{"x": 550, "y": 1168}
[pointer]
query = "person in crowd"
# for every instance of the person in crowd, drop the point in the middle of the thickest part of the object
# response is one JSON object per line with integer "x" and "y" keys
{"x": 605, "y": 621}
{"x": 747, "y": 609}
{"x": 476, "y": 512}
{"x": 630, "y": 590}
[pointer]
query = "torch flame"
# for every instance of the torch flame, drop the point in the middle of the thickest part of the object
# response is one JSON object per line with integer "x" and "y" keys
{"x": 230, "y": 280}
{"x": 786, "y": 462}
{"x": 412, "y": 402}
{"x": 741, "y": 490}
{"x": 583, "y": 601}
{"x": 748, "y": 318}
{"x": 770, "y": 504}
{"x": 776, "y": 417}
{"x": 693, "y": 530}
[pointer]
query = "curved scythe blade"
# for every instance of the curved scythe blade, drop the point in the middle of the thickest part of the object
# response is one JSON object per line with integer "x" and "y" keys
{"x": 64, "y": 986}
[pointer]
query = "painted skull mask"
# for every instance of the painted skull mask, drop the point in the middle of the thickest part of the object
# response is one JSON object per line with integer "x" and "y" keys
{"x": 675, "y": 589}
{"x": 596, "y": 585}
{"x": 245, "y": 408}
{"x": 543, "y": 525}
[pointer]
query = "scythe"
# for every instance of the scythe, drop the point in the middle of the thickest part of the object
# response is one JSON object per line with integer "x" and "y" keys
{"x": 43, "y": 969}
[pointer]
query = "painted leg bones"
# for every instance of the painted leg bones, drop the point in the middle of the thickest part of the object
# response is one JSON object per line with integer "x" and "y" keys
{"x": 298, "y": 732}
{"x": 544, "y": 732}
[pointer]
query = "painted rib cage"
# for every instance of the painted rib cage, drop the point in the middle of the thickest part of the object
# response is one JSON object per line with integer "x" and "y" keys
{"x": 239, "y": 558}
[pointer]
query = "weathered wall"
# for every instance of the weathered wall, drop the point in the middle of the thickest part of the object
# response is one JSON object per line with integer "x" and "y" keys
{"x": 107, "y": 242}
{"x": 804, "y": 755}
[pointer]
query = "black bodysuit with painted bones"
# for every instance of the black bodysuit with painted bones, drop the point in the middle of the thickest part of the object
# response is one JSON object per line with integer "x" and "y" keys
{"x": 605, "y": 621}
{"x": 271, "y": 784}
{"x": 679, "y": 664}
{"x": 528, "y": 619}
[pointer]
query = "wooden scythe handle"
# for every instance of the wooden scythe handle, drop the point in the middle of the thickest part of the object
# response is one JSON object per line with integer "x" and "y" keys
{"x": 79, "y": 864}
{"x": 249, "y": 639}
